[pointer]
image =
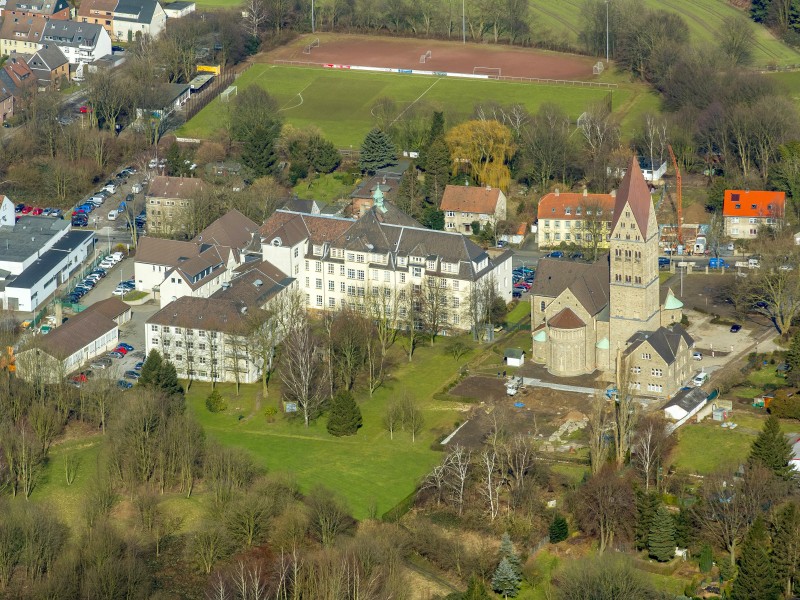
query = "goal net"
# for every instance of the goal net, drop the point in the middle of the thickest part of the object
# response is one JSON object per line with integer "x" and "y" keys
{"x": 492, "y": 72}
{"x": 225, "y": 96}
{"x": 598, "y": 68}
{"x": 314, "y": 44}
{"x": 425, "y": 57}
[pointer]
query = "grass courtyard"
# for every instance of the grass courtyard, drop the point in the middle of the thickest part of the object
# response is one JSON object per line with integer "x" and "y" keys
{"x": 340, "y": 102}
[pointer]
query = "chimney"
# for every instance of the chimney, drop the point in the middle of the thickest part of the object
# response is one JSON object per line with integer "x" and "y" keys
{"x": 585, "y": 192}
{"x": 557, "y": 192}
{"x": 613, "y": 193}
{"x": 488, "y": 188}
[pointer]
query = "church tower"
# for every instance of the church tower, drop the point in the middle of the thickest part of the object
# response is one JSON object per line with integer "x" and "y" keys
{"x": 634, "y": 298}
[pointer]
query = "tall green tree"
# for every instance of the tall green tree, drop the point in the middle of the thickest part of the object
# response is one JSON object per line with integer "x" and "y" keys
{"x": 646, "y": 508}
{"x": 505, "y": 580}
{"x": 432, "y": 218}
{"x": 476, "y": 589}
{"x": 772, "y": 449}
{"x": 786, "y": 547}
{"x": 661, "y": 541}
{"x": 345, "y": 416}
{"x": 322, "y": 154}
{"x": 435, "y": 132}
{"x": 793, "y": 355}
{"x": 167, "y": 380}
{"x": 756, "y": 577}
{"x": 437, "y": 171}
{"x": 258, "y": 152}
{"x": 559, "y": 529}
{"x": 151, "y": 368}
{"x": 377, "y": 151}
{"x": 507, "y": 552}
{"x": 409, "y": 192}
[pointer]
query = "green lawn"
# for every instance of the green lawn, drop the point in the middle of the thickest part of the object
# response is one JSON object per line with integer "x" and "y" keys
{"x": 340, "y": 102}
{"x": 327, "y": 188}
{"x": 706, "y": 447}
{"x": 367, "y": 469}
{"x": 519, "y": 312}
{"x": 704, "y": 19}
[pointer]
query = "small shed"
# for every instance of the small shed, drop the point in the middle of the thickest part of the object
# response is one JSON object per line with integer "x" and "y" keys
{"x": 685, "y": 403}
{"x": 514, "y": 357}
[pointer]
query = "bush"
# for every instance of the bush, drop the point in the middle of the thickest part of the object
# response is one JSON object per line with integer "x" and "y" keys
{"x": 559, "y": 530}
{"x": 215, "y": 402}
{"x": 270, "y": 413}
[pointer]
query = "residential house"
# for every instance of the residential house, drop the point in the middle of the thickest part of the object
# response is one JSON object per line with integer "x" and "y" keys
{"x": 37, "y": 254}
{"x": 162, "y": 99}
{"x": 340, "y": 262}
{"x": 659, "y": 360}
{"x": 16, "y": 81}
{"x": 176, "y": 10}
{"x": 463, "y": 205}
{"x": 169, "y": 201}
{"x": 124, "y": 20}
{"x": 582, "y": 220}
{"x": 58, "y": 10}
{"x": 50, "y": 67}
{"x": 652, "y": 169}
{"x": 207, "y": 338}
{"x": 85, "y": 336}
{"x": 81, "y": 43}
{"x": 745, "y": 211}
{"x": 385, "y": 181}
{"x": 21, "y": 35}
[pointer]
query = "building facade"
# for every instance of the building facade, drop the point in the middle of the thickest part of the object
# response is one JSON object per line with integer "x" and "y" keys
{"x": 575, "y": 220}
{"x": 168, "y": 203}
{"x": 746, "y": 211}
{"x": 463, "y": 205}
{"x": 81, "y": 43}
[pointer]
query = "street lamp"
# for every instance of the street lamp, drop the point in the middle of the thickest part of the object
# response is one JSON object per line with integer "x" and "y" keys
{"x": 312, "y": 17}
{"x": 607, "y": 44}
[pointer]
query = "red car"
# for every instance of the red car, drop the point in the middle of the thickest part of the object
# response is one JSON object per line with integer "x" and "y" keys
{"x": 523, "y": 285}
{"x": 84, "y": 109}
{"x": 121, "y": 350}
{"x": 37, "y": 211}
{"x": 26, "y": 210}
{"x": 80, "y": 377}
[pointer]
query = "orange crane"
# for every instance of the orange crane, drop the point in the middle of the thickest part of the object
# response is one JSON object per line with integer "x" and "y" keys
{"x": 679, "y": 205}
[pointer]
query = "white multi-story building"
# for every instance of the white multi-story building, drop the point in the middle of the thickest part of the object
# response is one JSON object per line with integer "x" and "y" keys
{"x": 81, "y": 43}
{"x": 340, "y": 263}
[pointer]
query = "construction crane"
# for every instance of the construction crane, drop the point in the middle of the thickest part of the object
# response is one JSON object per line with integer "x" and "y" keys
{"x": 679, "y": 201}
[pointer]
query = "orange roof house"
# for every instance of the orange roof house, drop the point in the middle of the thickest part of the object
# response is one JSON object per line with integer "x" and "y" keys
{"x": 573, "y": 218}
{"x": 559, "y": 205}
{"x": 747, "y": 210}
{"x": 464, "y": 204}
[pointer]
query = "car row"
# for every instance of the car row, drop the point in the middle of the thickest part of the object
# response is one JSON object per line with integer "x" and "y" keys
{"x": 124, "y": 287}
{"x": 35, "y": 211}
{"x": 88, "y": 284}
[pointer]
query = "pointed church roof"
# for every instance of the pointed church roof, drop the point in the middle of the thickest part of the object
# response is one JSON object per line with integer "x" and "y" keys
{"x": 566, "y": 319}
{"x": 672, "y": 303}
{"x": 635, "y": 192}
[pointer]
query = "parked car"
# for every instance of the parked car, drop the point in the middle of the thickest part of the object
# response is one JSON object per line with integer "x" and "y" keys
{"x": 138, "y": 366}
{"x": 700, "y": 378}
{"x": 26, "y": 210}
{"x": 697, "y": 356}
{"x": 46, "y": 212}
{"x": 131, "y": 375}
{"x": 502, "y": 244}
{"x": 556, "y": 254}
{"x": 516, "y": 294}
{"x": 101, "y": 363}
{"x": 125, "y": 385}
{"x": 576, "y": 256}
{"x": 663, "y": 261}
{"x": 127, "y": 347}
{"x": 115, "y": 354}
{"x": 84, "y": 110}
{"x": 121, "y": 350}
{"x": 736, "y": 328}
{"x": 18, "y": 208}
{"x": 112, "y": 215}
{"x": 110, "y": 187}
{"x": 717, "y": 263}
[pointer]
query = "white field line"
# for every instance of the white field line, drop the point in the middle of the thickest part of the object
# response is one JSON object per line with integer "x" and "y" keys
{"x": 415, "y": 101}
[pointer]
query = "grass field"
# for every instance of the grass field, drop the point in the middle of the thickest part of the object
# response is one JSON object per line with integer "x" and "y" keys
{"x": 340, "y": 102}
{"x": 706, "y": 447}
{"x": 703, "y": 17}
{"x": 368, "y": 469}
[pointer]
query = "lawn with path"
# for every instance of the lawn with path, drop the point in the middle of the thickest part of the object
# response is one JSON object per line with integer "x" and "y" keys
{"x": 367, "y": 469}
{"x": 340, "y": 102}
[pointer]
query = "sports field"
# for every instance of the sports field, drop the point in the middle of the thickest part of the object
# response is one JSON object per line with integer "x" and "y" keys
{"x": 703, "y": 17}
{"x": 340, "y": 102}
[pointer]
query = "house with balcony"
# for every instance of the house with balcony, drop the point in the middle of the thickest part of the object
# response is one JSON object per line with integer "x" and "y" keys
{"x": 745, "y": 211}
{"x": 81, "y": 43}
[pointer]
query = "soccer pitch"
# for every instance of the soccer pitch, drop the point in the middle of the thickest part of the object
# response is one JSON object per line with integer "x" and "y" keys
{"x": 339, "y": 102}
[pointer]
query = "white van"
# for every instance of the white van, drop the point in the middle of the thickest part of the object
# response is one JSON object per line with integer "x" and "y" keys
{"x": 112, "y": 216}
{"x": 700, "y": 378}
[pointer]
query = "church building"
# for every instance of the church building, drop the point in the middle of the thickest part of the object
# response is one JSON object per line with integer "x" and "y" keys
{"x": 609, "y": 314}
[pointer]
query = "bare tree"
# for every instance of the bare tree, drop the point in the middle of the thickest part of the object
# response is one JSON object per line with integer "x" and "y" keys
{"x": 519, "y": 456}
{"x": 600, "y": 133}
{"x": 482, "y": 295}
{"x": 302, "y": 372}
{"x": 625, "y": 412}
{"x": 606, "y": 507}
{"x": 457, "y": 465}
{"x": 598, "y": 427}
{"x": 392, "y": 418}
{"x": 411, "y": 417}
{"x": 491, "y": 480}
{"x": 654, "y": 139}
{"x": 651, "y": 445}
{"x": 435, "y": 306}
{"x": 435, "y": 481}
{"x": 596, "y": 221}
{"x": 254, "y": 14}
{"x": 382, "y": 308}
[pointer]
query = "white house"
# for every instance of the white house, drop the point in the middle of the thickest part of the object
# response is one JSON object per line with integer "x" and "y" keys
{"x": 81, "y": 43}
{"x": 176, "y": 10}
{"x": 138, "y": 17}
{"x": 685, "y": 403}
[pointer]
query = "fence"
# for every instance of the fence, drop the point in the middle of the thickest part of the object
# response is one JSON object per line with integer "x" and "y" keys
{"x": 200, "y": 100}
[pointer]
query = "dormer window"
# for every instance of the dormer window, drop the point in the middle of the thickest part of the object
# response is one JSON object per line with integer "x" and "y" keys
{"x": 738, "y": 206}
{"x": 567, "y": 210}
{"x": 431, "y": 264}
{"x": 317, "y": 250}
{"x": 753, "y": 206}
{"x": 578, "y": 211}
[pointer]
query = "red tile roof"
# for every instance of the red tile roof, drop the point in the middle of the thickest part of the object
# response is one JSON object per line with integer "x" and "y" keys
{"x": 753, "y": 203}
{"x": 634, "y": 191}
{"x": 470, "y": 199}
{"x": 184, "y": 188}
{"x": 555, "y": 204}
{"x": 566, "y": 319}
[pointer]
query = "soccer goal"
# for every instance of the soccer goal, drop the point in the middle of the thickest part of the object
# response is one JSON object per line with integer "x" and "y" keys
{"x": 598, "y": 67}
{"x": 491, "y": 72}
{"x": 231, "y": 90}
{"x": 425, "y": 57}
{"x": 314, "y": 44}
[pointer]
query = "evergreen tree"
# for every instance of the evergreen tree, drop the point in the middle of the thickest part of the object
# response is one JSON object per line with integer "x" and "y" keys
{"x": 706, "y": 560}
{"x": 786, "y": 547}
{"x": 436, "y": 131}
{"x": 772, "y": 449}
{"x": 258, "y": 152}
{"x": 345, "y": 416}
{"x": 151, "y": 368}
{"x": 685, "y": 528}
{"x": 507, "y": 552}
{"x": 409, "y": 192}
{"x": 215, "y": 402}
{"x": 505, "y": 580}
{"x": 176, "y": 162}
{"x": 323, "y": 155}
{"x": 377, "y": 151}
{"x": 646, "y": 507}
{"x": 432, "y": 218}
{"x": 476, "y": 589}
{"x": 661, "y": 541}
{"x": 793, "y": 359}
{"x": 437, "y": 171}
{"x": 756, "y": 577}
{"x": 167, "y": 380}
{"x": 559, "y": 530}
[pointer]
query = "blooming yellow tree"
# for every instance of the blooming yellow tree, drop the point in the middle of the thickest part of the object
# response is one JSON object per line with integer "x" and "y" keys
{"x": 483, "y": 148}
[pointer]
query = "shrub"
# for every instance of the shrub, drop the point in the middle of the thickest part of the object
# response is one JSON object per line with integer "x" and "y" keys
{"x": 559, "y": 530}
{"x": 215, "y": 402}
{"x": 270, "y": 413}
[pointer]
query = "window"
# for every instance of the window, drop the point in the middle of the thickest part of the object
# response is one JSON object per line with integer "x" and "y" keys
{"x": 331, "y": 302}
{"x": 351, "y": 290}
{"x": 341, "y": 287}
{"x": 307, "y": 266}
{"x": 360, "y": 273}
{"x": 656, "y": 372}
{"x": 318, "y": 266}
{"x": 386, "y": 277}
{"x": 416, "y": 271}
{"x": 456, "y": 302}
{"x": 307, "y": 283}
{"x": 317, "y": 250}
{"x": 449, "y": 225}
{"x": 455, "y": 285}
{"x": 331, "y": 286}
{"x": 753, "y": 221}
{"x": 541, "y": 306}
{"x": 557, "y": 224}
{"x": 201, "y": 346}
{"x": 450, "y": 213}
{"x": 402, "y": 277}
{"x": 547, "y": 223}
{"x": 341, "y": 269}
{"x": 153, "y": 327}
{"x": 568, "y": 210}
{"x": 753, "y": 206}
{"x": 351, "y": 273}
{"x": 636, "y": 370}
{"x": 359, "y": 257}
{"x": 617, "y": 277}
{"x": 178, "y": 344}
{"x": 654, "y": 387}
{"x": 319, "y": 300}
{"x": 330, "y": 269}
{"x": 578, "y": 211}
{"x": 176, "y": 329}
{"x": 646, "y": 356}
{"x": 734, "y": 231}
{"x": 443, "y": 283}
{"x": 734, "y": 219}
{"x": 318, "y": 283}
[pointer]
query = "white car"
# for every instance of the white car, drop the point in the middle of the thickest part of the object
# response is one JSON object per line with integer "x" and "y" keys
{"x": 118, "y": 256}
{"x": 119, "y": 291}
{"x": 697, "y": 356}
{"x": 110, "y": 188}
{"x": 107, "y": 264}
{"x": 153, "y": 163}
{"x": 700, "y": 378}
{"x": 112, "y": 216}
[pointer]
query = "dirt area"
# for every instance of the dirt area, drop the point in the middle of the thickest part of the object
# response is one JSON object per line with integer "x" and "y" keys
{"x": 445, "y": 56}
{"x": 544, "y": 410}
{"x": 540, "y": 372}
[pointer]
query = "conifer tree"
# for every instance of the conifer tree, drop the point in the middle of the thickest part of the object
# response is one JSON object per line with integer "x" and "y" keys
{"x": 706, "y": 560}
{"x": 507, "y": 552}
{"x": 345, "y": 416}
{"x": 646, "y": 507}
{"x": 559, "y": 530}
{"x": 258, "y": 152}
{"x": 437, "y": 171}
{"x": 772, "y": 449}
{"x": 661, "y": 541}
{"x": 151, "y": 368}
{"x": 756, "y": 577}
{"x": 793, "y": 359}
{"x": 377, "y": 151}
{"x": 786, "y": 547}
{"x": 505, "y": 580}
{"x": 167, "y": 380}
{"x": 476, "y": 589}
{"x": 436, "y": 131}
{"x": 409, "y": 192}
